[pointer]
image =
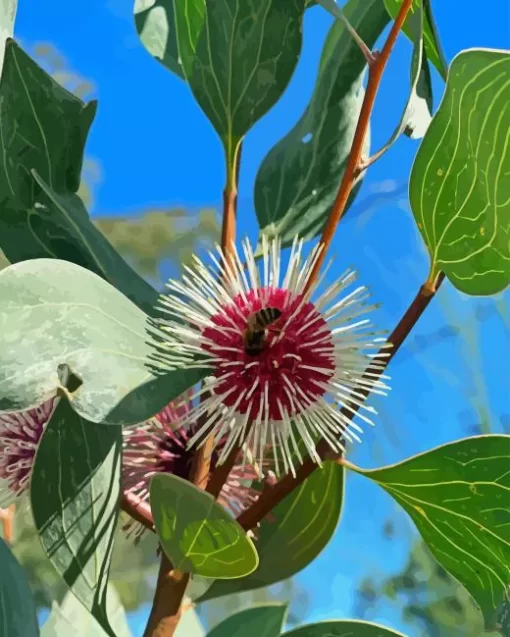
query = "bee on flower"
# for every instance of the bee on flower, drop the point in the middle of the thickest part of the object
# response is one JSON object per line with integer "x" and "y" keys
{"x": 288, "y": 362}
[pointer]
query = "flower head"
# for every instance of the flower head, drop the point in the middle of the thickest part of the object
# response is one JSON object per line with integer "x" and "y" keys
{"x": 279, "y": 378}
{"x": 157, "y": 447}
{"x": 20, "y": 433}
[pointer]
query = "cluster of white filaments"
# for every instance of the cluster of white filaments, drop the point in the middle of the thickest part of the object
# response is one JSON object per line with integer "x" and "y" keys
{"x": 319, "y": 359}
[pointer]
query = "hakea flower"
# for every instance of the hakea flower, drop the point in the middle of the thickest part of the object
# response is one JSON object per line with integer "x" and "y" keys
{"x": 20, "y": 434}
{"x": 157, "y": 446}
{"x": 315, "y": 356}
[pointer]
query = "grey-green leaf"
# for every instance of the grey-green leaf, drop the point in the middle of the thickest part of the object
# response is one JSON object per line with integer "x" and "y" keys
{"x": 17, "y": 609}
{"x": 43, "y": 134}
{"x": 196, "y": 533}
{"x": 155, "y": 23}
{"x": 238, "y": 57}
{"x": 302, "y": 526}
{"x": 417, "y": 113}
{"x": 459, "y": 187}
{"x": 343, "y": 628}
{"x": 74, "y": 494}
{"x": 298, "y": 180}
{"x": 55, "y": 314}
{"x": 70, "y": 617}
{"x": 260, "y": 621}
{"x": 8, "y": 10}
{"x": 433, "y": 49}
{"x": 458, "y": 497}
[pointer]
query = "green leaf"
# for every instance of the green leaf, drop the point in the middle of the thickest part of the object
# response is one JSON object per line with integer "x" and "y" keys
{"x": 302, "y": 526}
{"x": 432, "y": 46}
{"x": 298, "y": 180}
{"x": 196, "y": 533}
{"x": 458, "y": 497}
{"x": 17, "y": 609}
{"x": 459, "y": 187}
{"x": 70, "y": 617}
{"x": 343, "y": 628}
{"x": 43, "y": 134}
{"x": 259, "y": 621}
{"x": 74, "y": 494}
{"x": 155, "y": 23}
{"x": 237, "y": 57}
{"x": 417, "y": 113}
{"x": 57, "y": 314}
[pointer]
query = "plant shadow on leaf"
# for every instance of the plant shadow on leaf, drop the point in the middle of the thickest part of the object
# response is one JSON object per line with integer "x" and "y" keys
{"x": 74, "y": 493}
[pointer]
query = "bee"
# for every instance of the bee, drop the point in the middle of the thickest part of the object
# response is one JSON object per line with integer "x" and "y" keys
{"x": 255, "y": 334}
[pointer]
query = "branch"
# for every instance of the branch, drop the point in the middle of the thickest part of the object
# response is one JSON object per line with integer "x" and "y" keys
{"x": 352, "y": 169}
{"x": 167, "y": 605}
{"x": 138, "y": 509}
{"x": 266, "y": 503}
{"x": 167, "y": 608}
{"x": 7, "y": 522}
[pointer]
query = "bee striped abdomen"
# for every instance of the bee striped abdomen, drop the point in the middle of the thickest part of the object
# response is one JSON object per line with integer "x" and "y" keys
{"x": 255, "y": 334}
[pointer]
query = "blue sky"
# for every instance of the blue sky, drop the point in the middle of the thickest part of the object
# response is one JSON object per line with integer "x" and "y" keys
{"x": 156, "y": 147}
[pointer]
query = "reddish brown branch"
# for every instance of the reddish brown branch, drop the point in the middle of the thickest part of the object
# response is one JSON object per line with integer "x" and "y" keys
{"x": 171, "y": 586}
{"x": 354, "y": 162}
{"x": 266, "y": 503}
{"x": 138, "y": 509}
{"x": 167, "y": 607}
{"x": 7, "y": 522}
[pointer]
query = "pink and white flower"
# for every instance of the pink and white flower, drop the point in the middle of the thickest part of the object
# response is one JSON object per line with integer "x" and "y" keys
{"x": 320, "y": 354}
{"x": 157, "y": 447}
{"x": 20, "y": 434}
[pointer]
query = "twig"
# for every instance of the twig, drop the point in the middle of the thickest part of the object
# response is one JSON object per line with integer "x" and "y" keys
{"x": 351, "y": 174}
{"x": 166, "y": 608}
{"x": 138, "y": 509}
{"x": 254, "y": 514}
{"x": 7, "y": 522}
{"x": 167, "y": 605}
{"x": 338, "y": 12}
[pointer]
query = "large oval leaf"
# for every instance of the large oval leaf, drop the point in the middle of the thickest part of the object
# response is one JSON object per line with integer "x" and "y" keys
{"x": 298, "y": 180}
{"x": 196, "y": 533}
{"x": 259, "y": 621}
{"x": 343, "y": 628}
{"x": 299, "y": 529}
{"x": 155, "y": 23}
{"x": 70, "y": 617}
{"x": 433, "y": 49}
{"x": 17, "y": 609}
{"x": 459, "y": 187}
{"x": 56, "y": 313}
{"x": 44, "y": 128}
{"x": 236, "y": 55}
{"x": 74, "y": 493}
{"x": 459, "y": 498}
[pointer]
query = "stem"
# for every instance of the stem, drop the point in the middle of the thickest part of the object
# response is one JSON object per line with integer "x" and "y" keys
{"x": 167, "y": 605}
{"x": 338, "y": 12}
{"x": 166, "y": 608}
{"x": 252, "y": 516}
{"x": 7, "y": 521}
{"x": 352, "y": 169}
{"x": 138, "y": 509}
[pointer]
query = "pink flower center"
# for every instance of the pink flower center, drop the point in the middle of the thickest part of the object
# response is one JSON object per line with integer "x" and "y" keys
{"x": 295, "y": 363}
